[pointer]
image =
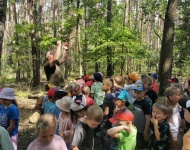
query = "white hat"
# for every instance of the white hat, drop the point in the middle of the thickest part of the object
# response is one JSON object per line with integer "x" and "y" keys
{"x": 79, "y": 102}
{"x": 64, "y": 103}
{"x": 7, "y": 93}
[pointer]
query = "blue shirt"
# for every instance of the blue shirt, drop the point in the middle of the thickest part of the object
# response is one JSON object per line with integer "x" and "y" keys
{"x": 8, "y": 114}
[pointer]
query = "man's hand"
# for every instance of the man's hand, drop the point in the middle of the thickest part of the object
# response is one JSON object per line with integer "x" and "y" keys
{"x": 146, "y": 137}
{"x": 66, "y": 46}
{"x": 59, "y": 43}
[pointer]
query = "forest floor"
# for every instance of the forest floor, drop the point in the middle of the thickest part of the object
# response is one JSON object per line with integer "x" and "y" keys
{"x": 27, "y": 131}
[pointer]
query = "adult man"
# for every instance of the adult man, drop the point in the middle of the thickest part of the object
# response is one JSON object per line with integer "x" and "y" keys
{"x": 51, "y": 66}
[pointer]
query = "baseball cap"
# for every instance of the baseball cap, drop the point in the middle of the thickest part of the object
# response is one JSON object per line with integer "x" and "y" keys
{"x": 133, "y": 76}
{"x": 173, "y": 80}
{"x": 154, "y": 75}
{"x": 139, "y": 86}
{"x": 122, "y": 115}
{"x": 184, "y": 103}
{"x": 51, "y": 92}
{"x": 121, "y": 94}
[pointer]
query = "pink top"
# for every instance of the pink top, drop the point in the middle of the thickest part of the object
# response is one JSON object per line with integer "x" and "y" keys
{"x": 155, "y": 87}
{"x": 65, "y": 127}
{"x": 89, "y": 101}
{"x": 57, "y": 143}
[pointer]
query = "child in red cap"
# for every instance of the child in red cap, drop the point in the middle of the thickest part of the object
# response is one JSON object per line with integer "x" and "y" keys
{"x": 125, "y": 132}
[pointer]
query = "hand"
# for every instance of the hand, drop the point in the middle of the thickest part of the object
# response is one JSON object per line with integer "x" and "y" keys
{"x": 154, "y": 121}
{"x": 59, "y": 43}
{"x": 126, "y": 128}
{"x": 66, "y": 46}
{"x": 146, "y": 137}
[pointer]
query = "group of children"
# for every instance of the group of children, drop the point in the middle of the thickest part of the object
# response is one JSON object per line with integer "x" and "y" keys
{"x": 125, "y": 116}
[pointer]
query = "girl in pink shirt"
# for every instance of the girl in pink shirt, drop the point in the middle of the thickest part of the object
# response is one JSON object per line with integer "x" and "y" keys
{"x": 46, "y": 138}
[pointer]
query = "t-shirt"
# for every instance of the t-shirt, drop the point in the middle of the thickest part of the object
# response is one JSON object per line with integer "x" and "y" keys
{"x": 5, "y": 140}
{"x": 57, "y": 143}
{"x": 126, "y": 140}
{"x": 96, "y": 89}
{"x": 152, "y": 95}
{"x": 89, "y": 101}
{"x": 164, "y": 143}
{"x": 8, "y": 114}
{"x": 108, "y": 102}
{"x": 83, "y": 136}
{"x": 130, "y": 90}
{"x": 186, "y": 141}
{"x": 48, "y": 106}
{"x": 65, "y": 127}
{"x": 174, "y": 122}
{"x": 54, "y": 74}
{"x": 141, "y": 108}
{"x": 155, "y": 87}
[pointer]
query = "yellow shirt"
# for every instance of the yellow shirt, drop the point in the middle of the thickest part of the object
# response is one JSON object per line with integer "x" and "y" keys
{"x": 186, "y": 141}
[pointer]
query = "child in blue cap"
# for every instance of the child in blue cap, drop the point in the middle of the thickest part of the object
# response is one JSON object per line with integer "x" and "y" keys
{"x": 142, "y": 113}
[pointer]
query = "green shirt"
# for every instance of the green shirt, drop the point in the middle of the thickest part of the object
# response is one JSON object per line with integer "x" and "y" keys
{"x": 5, "y": 140}
{"x": 127, "y": 141}
{"x": 99, "y": 95}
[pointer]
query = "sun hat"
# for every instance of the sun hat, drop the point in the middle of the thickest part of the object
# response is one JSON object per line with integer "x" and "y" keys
{"x": 64, "y": 103}
{"x": 121, "y": 94}
{"x": 139, "y": 86}
{"x": 133, "y": 76}
{"x": 185, "y": 104}
{"x": 79, "y": 102}
{"x": 7, "y": 93}
{"x": 122, "y": 115}
{"x": 154, "y": 75}
{"x": 173, "y": 80}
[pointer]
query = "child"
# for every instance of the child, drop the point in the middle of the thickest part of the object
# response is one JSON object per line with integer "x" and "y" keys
{"x": 150, "y": 94}
{"x": 51, "y": 93}
{"x": 5, "y": 141}
{"x": 142, "y": 112}
{"x": 154, "y": 77}
{"x": 160, "y": 132}
{"x": 83, "y": 134}
{"x": 9, "y": 114}
{"x": 108, "y": 108}
{"x": 120, "y": 98}
{"x": 132, "y": 78}
{"x": 96, "y": 91}
{"x": 86, "y": 92}
{"x": 186, "y": 138}
{"x": 74, "y": 89}
{"x": 173, "y": 96}
{"x": 65, "y": 124}
{"x": 46, "y": 139}
{"x": 125, "y": 132}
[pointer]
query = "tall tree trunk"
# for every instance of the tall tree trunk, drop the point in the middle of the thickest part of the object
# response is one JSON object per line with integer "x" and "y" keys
{"x": 54, "y": 17}
{"x": 166, "y": 54}
{"x": 35, "y": 51}
{"x": 109, "y": 50}
{"x": 16, "y": 41}
{"x": 3, "y": 4}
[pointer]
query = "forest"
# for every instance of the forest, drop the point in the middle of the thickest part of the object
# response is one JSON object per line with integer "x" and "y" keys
{"x": 116, "y": 37}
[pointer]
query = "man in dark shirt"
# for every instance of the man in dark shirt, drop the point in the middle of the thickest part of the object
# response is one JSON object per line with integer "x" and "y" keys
{"x": 51, "y": 66}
